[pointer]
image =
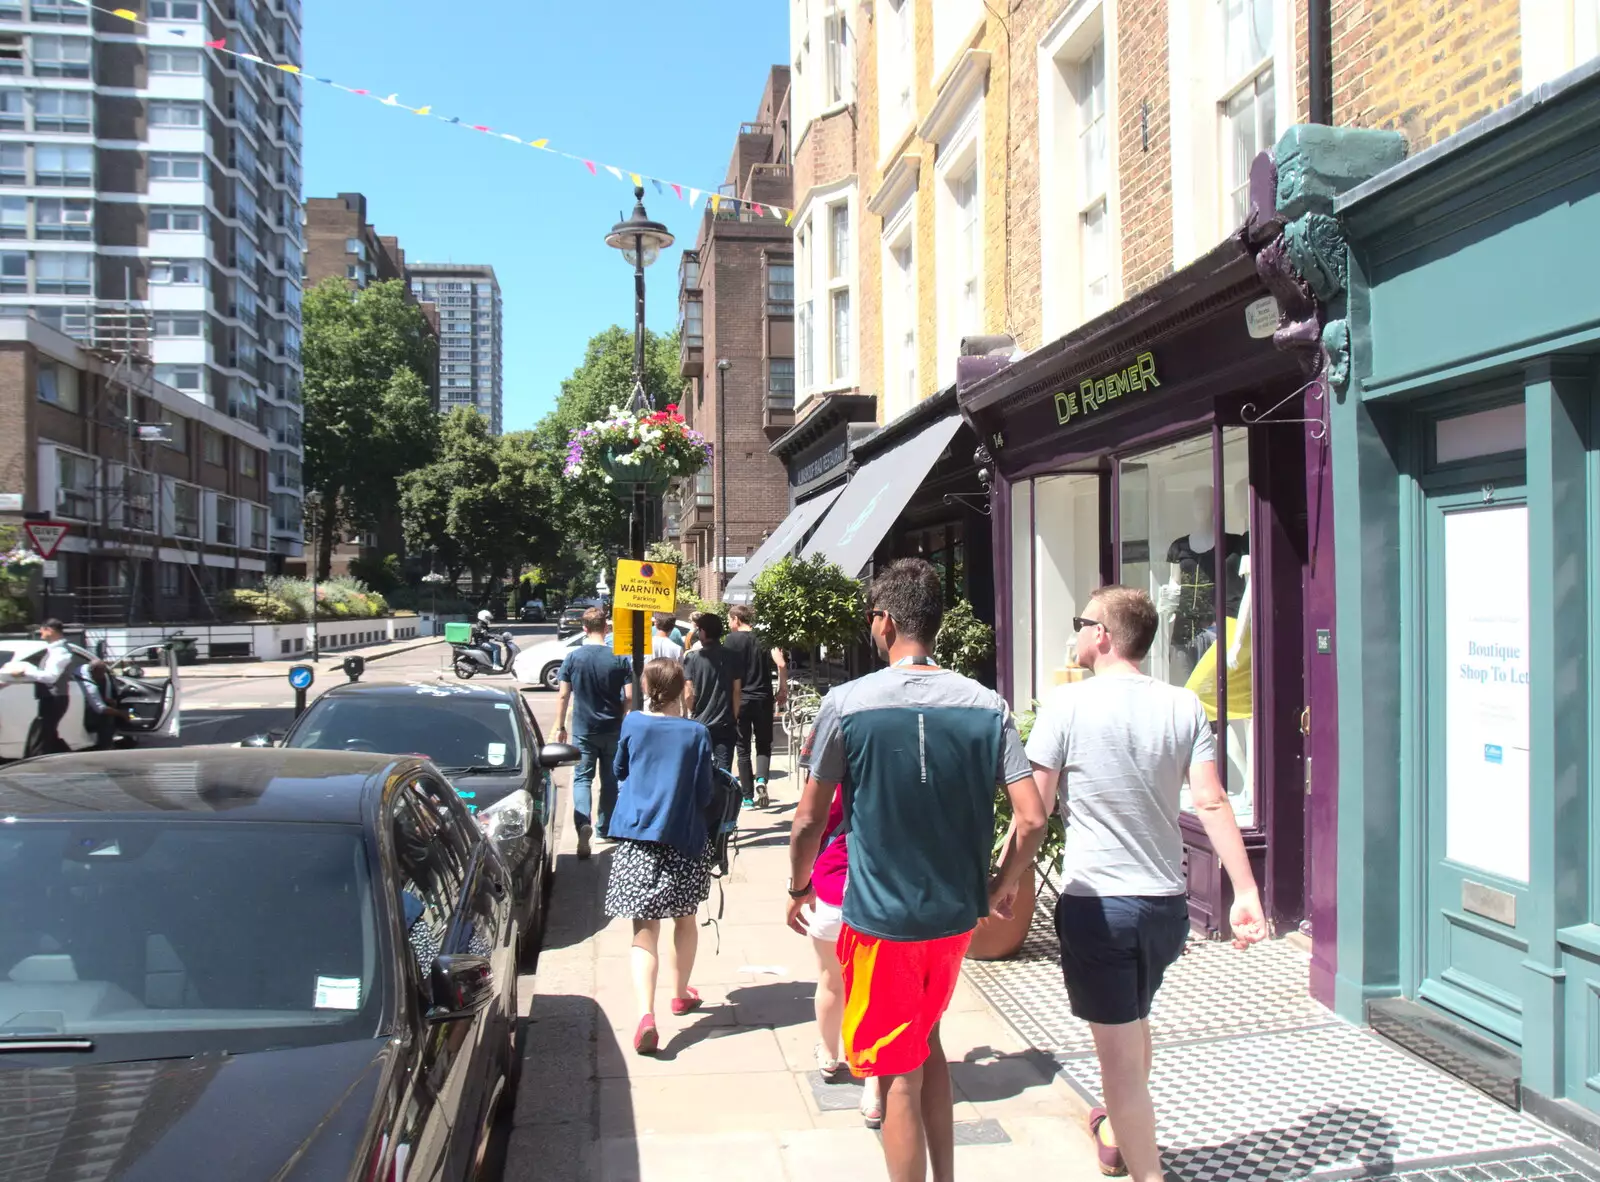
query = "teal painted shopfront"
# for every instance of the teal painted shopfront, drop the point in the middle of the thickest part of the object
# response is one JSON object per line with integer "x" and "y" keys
{"x": 1466, "y": 475}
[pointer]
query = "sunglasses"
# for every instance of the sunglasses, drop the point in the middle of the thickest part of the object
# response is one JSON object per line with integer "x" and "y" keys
{"x": 1079, "y": 623}
{"x": 875, "y": 613}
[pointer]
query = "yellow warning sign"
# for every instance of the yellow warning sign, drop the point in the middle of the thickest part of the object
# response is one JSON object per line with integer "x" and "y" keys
{"x": 622, "y": 633}
{"x": 645, "y": 587}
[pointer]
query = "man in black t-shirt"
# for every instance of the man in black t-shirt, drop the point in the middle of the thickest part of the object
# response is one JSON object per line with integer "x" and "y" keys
{"x": 712, "y": 693}
{"x": 756, "y": 664}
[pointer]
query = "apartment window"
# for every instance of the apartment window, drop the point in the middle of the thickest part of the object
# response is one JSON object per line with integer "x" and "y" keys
{"x": 170, "y": 114}
{"x": 13, "y": 110}
{"x": 177, "y": 324}
{"x": 13, "y": 164}
{"x": 174, "y": 61}
{"x": 227, "y": 521}
{"x": 174, "y": 10}
{"x": 969, "y": 252}
{"x": 13, "y": 217}
{"x": 138, "y": 501}
{"x": 212, "y": 447}
{"x": 63, "y": 274}
{"x": 74, "y": 485}
{"x": 356, "y": 247}
{"x": 900, "y": 329}
{"x": 171, "y": 580}
{"x": 13, "y": 272}
{"x": 258, "y": 527}
{"x": 840, "y": 75}
{"x": 896, "y": 59}
{"x": 177, "y": 271}
{"x": 60, "y": 57}
{"x": 187, "y": 378}
{"x": 1249, "y": 118}
{"x": 780, "y": 289}
{"x": 65, "y": 12}
{"x": 56, "y": 164}
{"x": 185, "y": 510}
{"x": 167, "y": 167}
{"x": 69, "y": 218}
{"x": 780, "y": 383}
{"x": 179, "y": 219}
{"x": 11, "y": 54}
{"x": 61, "y": 110}
{"x": 58, "y": 385}
{"x": 839, "y": 314}
{"x": 690, "y": 278}
{"x": 249, "y": 460}
{"x": 1094, "y": 168}
{"x": 839, "y": 241}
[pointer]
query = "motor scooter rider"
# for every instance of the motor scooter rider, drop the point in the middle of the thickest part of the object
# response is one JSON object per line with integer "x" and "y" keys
{"x": 484, "y": 639}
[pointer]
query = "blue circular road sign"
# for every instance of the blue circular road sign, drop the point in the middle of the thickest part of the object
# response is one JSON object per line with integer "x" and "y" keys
{"x": 300, "y": 677}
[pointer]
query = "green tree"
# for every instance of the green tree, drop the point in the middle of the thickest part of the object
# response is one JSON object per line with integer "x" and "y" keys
{"x": 805, "y": 603}
{"x": 367, "y": 416}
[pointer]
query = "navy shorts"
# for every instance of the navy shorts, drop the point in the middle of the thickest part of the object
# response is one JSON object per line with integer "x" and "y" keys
{"x": 1116, "y": 949}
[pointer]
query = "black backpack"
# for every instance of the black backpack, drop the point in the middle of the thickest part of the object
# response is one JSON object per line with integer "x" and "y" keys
{"x": 722, "y": 817}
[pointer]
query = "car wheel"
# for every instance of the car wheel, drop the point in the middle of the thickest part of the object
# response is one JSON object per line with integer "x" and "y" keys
{"x": 549, "y": 678}
{"x": 465, "y": 668}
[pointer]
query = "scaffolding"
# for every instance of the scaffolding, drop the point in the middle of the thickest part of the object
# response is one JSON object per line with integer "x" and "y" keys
{"x": 126, "y": 530}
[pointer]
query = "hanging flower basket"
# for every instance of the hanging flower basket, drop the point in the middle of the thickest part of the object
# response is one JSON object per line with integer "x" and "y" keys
{"x": 630, "y": 448}
{"x": 19, "y": 561}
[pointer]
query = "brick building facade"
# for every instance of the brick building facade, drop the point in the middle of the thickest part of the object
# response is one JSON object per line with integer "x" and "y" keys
{"x": 158, "y": 525}
{"x": 736, "y": 320}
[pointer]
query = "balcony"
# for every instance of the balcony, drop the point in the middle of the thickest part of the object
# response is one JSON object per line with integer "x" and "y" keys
{"x": 691, "y": 339}
{"x": 695, "y": 504}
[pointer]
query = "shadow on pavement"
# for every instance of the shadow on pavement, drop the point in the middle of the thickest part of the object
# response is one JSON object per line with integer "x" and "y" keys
{"x": 984, "y": 1074}
{"x": 1326, "y": 1138}
{"x": 780, "y": 1003}
{"x": 569, "y": 925}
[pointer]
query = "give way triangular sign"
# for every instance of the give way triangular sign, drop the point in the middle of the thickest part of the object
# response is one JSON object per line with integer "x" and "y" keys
{"x": 45, "y": 535}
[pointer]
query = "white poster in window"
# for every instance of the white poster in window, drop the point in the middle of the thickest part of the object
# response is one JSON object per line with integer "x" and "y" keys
{"x": 1486, "y": 690}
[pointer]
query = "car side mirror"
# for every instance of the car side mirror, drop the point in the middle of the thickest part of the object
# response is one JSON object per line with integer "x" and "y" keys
{"x": 462, "y": 985}
{"x": 558, "y": 755}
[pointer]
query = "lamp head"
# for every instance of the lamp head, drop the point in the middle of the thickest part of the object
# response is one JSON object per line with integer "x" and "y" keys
{"x": 640, "y": 240}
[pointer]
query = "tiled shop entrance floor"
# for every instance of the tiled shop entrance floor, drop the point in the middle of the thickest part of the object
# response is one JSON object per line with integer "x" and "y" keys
{"x": 1255, "y": 1081}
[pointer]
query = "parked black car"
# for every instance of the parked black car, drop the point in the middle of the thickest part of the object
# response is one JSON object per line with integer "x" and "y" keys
{"x": 252, "y": 965}
{"x": 486, "y": 742}
{"x": 532, "y": 613}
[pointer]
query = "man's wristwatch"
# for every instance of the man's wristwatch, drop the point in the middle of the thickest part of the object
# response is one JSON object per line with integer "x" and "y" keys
{"x": 802, "y": 892}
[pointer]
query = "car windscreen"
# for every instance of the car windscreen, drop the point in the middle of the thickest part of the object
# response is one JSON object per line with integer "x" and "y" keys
{"x": 149, "y": 938}
{"x": 455, "y": 730}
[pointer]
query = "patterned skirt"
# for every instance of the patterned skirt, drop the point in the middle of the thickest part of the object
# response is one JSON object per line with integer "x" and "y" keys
{"x": 651, "y": 880}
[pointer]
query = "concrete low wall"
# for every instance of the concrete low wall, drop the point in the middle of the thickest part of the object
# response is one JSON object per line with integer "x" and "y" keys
{"x": 268, "y": 642}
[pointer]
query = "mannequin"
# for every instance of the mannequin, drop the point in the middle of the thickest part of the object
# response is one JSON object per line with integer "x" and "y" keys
{"x": 1188, "y": 598}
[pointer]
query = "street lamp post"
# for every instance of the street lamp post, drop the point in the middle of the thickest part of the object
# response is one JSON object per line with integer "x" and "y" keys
{"x": 641, "y": 242}
{"x": 721, "y": 460}
{"x": 313, "y": 502}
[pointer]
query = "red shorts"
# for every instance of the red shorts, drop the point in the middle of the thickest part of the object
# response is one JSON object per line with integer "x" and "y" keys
{"x": 895, "y": 993}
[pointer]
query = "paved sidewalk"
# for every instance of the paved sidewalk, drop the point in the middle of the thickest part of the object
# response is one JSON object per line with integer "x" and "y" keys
{"x": 1256, "y": 1082}
{"x": 733, "y": 1093}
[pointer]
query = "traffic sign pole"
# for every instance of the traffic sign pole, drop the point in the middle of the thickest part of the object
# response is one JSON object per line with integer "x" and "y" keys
{"x": 46, "y": 537}
{"x": 300, "y": 679}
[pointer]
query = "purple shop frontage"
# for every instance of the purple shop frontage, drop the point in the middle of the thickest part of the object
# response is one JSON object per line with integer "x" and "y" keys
{"x": 1179, "y": 443}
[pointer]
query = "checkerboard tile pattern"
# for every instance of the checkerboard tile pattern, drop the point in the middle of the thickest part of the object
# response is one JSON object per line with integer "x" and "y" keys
{"x": 1027, "y": 991}
{"x": 1542, "y": 1164}
{"x": 1282, "y": 1106}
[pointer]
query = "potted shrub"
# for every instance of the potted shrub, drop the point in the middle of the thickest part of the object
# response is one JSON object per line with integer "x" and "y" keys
{"x": 996, "y": 938}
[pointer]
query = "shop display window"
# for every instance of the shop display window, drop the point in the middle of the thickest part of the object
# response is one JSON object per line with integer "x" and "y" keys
{"x": 1180, "y": 533}
{"x": 1066, "y": 569}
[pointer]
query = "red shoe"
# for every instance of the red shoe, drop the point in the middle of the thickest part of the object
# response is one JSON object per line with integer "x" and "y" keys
{"x": 686, "y": 1005}
{"x": 1111, "y": 1163}
{"x": 645, "y": 1039}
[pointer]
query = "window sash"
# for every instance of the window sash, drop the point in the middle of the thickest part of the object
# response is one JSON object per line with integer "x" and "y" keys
{"x": 839, "y": 317}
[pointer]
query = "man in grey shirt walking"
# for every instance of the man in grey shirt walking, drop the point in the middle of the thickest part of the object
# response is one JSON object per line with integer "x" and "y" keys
{"x": 1117, "y": 749}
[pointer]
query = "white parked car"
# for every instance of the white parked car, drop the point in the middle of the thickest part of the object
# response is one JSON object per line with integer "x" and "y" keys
{"x": 154, "y": 701}
{"x": 539, "y": 664}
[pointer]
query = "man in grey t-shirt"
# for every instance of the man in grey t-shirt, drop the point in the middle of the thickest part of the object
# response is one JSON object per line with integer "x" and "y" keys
{"x": 1113, "y": 753}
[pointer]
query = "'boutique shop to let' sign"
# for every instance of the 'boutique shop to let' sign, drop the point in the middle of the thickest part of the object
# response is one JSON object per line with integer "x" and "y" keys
{"x": 1094, "y": 393}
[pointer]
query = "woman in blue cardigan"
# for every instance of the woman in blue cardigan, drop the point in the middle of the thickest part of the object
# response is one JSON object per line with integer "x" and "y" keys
{"x": 661, "y": 867}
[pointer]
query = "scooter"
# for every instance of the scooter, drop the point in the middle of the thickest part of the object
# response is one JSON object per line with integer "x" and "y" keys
{"x": 472, "y": 659}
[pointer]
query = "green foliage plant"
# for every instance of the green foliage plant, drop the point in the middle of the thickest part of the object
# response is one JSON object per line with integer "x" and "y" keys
{"x": 964, "y": 642}
{"x": 808, "y": 603}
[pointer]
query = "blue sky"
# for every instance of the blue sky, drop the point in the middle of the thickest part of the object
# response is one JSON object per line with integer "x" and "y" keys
{"x": 656, "y": 87}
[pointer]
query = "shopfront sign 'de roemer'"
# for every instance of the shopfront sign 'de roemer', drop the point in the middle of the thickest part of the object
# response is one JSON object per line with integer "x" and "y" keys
{"x": 645, "y": 586}
{"x": 1093, "y": 393}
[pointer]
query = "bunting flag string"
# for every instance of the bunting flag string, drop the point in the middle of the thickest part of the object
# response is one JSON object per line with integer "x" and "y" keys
{"x": 715, "y": 200}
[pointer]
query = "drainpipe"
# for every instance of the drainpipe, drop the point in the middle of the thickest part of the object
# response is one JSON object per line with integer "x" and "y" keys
{"x": 1319, "y": 51}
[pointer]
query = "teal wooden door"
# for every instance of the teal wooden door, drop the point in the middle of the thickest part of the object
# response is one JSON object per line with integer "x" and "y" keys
{"x": 1476, "y": 787}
